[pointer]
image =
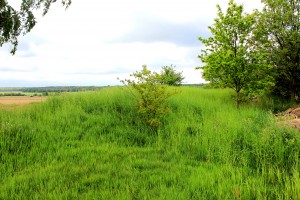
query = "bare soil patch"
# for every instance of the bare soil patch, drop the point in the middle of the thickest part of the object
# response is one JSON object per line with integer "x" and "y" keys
{"x": 295, "y": 123}
{"x": 290, "y": 117}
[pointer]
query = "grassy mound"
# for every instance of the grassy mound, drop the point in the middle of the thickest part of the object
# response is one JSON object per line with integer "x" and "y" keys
{"x": 93, "y": 145}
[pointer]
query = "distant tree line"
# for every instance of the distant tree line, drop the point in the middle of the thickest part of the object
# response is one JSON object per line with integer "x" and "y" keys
{"x": 12, "y": 94}
{"x": 56, "y": 89}
{"x": 60, "y": 89}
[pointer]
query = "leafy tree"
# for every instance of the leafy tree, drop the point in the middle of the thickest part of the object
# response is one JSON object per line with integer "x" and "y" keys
{"x": 152, "y": 96}
{"x": 14, "y": 23}
{"x": 169, "y": 76}
{"x": 278, "y": 35}
{"x": 230, "y": 58}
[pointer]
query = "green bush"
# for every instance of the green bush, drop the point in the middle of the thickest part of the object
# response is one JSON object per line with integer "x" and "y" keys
{"x": 169, "y": 76}
{"x": 152, "y": 96}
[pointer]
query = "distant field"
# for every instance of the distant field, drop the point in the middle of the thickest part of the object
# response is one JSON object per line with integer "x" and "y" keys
{"x": 21, "y": 99}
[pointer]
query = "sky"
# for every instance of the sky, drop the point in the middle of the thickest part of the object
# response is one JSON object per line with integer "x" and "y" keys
{"x": 93, "y": 43}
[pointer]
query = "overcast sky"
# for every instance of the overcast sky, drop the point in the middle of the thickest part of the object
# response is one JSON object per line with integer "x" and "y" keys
{"x": 95, "y": 42}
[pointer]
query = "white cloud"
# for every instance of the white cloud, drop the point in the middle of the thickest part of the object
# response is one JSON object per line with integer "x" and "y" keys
{"x": 94, "y": 42}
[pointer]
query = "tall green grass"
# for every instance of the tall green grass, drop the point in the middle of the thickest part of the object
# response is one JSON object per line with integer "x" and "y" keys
{"x": 93, "y": 145}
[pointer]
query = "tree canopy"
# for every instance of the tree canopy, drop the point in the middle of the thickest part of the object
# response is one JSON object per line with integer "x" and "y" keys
{"x": 14, "y": 23}
{"x": 170, "y": 76}
{"x": 230, "y": 58}
{"x": 278, "y": 35}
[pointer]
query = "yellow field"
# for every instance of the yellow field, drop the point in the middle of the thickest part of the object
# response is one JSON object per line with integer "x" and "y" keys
{"x": 13, "y": 102}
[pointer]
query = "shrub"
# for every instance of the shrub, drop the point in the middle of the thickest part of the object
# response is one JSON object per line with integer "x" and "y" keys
{"x": 152, "y": 95}
{"x": 169, "y": 76}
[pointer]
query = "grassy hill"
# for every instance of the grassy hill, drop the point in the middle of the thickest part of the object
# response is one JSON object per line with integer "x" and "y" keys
{"x": 93, "y": 145}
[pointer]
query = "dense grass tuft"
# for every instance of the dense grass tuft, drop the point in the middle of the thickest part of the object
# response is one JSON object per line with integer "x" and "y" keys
{"x": 93, "y": 145}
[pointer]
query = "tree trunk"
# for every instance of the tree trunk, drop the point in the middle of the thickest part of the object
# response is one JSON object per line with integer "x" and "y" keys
{"x": 293, "y": 96}
{"x": 238, "y": 100}
{"x": 293, "y": 92}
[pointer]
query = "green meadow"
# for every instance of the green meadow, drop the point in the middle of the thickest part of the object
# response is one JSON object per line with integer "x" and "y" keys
{"x": 93, "y": 145}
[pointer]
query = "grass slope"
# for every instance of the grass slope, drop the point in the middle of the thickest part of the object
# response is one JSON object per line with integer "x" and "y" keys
{"x": 92, "y": 145}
